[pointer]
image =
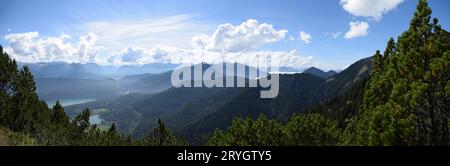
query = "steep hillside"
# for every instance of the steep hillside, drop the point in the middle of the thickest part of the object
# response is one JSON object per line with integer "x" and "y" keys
{"x": 297, "y": 93}
{"x": 146, "y": 83}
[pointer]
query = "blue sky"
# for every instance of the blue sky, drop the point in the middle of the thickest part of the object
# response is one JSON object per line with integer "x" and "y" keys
{"x": 130, "y": 31}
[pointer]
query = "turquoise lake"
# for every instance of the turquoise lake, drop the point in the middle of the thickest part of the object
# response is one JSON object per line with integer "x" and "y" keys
{"x": 94, "y": 119}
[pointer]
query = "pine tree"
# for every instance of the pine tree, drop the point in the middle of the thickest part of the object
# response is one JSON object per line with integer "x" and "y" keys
{"x": 389, "y": 51}
{"x": 24, "y": 100}
{"x": 112, "y": 129}
{"x": 377, "y": 66}
{"x": 312, "y": 129}
{"x": 162, "y": 135}
{"x": 407, "y": 100}
{"x": 8, "y": 72}
{"x": 307, "y": 129}
{"x": 59, "y": 116}
{"x": 81, "y": 121}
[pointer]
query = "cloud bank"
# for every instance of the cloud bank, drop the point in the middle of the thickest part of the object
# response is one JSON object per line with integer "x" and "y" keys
{"x": 240, "y": 43}
{"x": 29, "y": 47}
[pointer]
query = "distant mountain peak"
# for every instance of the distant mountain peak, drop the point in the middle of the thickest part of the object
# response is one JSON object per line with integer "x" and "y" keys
{"x": 318, "y": 72}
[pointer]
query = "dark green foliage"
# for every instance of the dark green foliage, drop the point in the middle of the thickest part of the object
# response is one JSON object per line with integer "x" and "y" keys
{"x": 344, "y": 106}
{"x": 8, "y": 70}
{"x": 181, "y": 106}
{"x": 24, "y": 100}
{"x": 407, "y": 99}
{"x": 308, "y": 129}
{"x": 59, "y": 116}
{"x": 312, "y": 129}
{"x": 246, "y": 132}
{"x": 161, "y": 136}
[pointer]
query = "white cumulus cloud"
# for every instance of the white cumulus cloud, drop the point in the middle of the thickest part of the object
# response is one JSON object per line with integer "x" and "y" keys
{"x": 232, "y": 38}
{"x": 369, "y": 8}
{"x": 305, "y": 37}
{"x": 357, "y": 29}
{"x": 29, "y": 47}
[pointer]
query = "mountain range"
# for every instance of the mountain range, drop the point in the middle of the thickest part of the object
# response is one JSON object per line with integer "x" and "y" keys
{"x": 192, "y": 112}
{"x": 61, "y": 80}
{"x": 93, "y": 70}
{"x": 134, "y": 97}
